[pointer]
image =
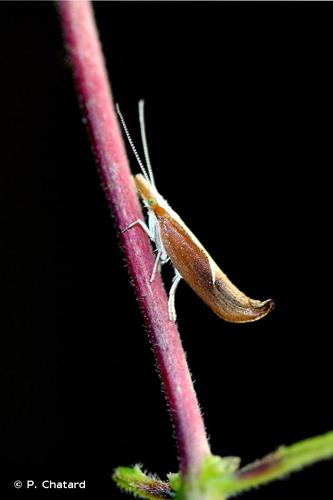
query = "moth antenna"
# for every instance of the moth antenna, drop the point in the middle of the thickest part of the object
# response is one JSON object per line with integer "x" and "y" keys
{"x": 144, "y": 140}
{"x": 129, "y": 138}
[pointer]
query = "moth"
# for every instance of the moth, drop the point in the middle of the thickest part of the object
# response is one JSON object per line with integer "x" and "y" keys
{"x": 175, "y": 242}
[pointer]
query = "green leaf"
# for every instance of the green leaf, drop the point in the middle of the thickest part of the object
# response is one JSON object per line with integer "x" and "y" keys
{"x": 141, "y": 485}
{"x": 221, "y": 478}
{"x": 277, "y": 465}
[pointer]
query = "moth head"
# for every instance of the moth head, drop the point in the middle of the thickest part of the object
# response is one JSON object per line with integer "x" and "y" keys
{"x": 146, "y": 190}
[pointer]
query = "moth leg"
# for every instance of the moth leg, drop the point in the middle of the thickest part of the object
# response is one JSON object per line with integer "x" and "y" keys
{"x": 142, "y": 225}
{"x": 157, "y": 261}
{"x": 171, "y": 303}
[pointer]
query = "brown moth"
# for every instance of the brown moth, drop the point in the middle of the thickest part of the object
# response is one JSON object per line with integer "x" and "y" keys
{"x": 175, "y": 242}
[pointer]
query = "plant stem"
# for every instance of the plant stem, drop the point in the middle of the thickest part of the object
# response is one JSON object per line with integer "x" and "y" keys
{"x": 92, "y": 85}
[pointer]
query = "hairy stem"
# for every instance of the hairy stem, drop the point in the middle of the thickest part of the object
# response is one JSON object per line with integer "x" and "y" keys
{"x": 92, "y": 85}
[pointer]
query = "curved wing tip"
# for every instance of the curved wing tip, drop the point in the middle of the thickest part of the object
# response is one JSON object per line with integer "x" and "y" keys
{"x": 266, "y": 307}
{"x": 254, "y": 311}
{"x": 270, "y": 304}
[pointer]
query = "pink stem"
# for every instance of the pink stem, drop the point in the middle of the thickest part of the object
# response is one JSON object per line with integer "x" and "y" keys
{"x": 93, "y": 88}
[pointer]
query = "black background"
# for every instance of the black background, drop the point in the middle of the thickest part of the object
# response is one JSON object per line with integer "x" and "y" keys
{"x": 238, "y": 112}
